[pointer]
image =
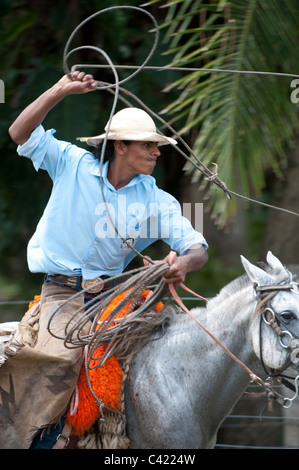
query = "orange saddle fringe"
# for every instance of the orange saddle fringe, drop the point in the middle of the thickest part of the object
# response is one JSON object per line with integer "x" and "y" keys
{"x": 106, "y": 381}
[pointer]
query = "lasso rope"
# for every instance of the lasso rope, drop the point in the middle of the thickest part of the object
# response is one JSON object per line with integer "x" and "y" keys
{"x": 198, "y": 164}
{"x": 190, "y": 69}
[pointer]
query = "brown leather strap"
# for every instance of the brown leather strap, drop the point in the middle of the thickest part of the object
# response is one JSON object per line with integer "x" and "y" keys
{"x": 69, "y": 281}
{"x": 64, "y": 437}
{"x": 274, "y": 288}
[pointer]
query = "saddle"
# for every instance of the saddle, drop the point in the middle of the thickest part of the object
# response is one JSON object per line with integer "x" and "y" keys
{"x": 99, "y": 389}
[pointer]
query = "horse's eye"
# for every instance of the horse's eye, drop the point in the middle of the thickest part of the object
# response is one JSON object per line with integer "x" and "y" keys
{"x": 287, "y": 315}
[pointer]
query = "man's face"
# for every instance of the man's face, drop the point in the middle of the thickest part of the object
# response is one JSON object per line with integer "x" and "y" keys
{"x": 141, "y": 157}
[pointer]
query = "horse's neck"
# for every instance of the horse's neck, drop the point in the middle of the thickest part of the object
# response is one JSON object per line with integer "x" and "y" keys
{"x": 228, "y": 318}
{"x": 229, "y": 315}
{"x": 231, "y": 309}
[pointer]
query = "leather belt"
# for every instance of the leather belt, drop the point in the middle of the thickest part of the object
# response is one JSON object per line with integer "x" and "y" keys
{"x": 92, "y": 286}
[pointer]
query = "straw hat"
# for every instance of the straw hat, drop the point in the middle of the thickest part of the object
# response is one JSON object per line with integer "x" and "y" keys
{"x": 130, "y": 124}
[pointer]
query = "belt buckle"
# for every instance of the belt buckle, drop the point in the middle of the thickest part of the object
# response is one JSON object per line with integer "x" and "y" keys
{"x": 93, "y": 286}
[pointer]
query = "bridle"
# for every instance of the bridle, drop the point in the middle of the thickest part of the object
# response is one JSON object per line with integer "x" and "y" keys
{"x": 287, "y": 340}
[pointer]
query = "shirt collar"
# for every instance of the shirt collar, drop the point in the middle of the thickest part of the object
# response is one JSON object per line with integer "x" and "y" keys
{"x": 96, "y": 170}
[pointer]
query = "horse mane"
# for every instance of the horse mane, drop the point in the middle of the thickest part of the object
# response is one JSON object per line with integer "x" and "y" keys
{"x": 282, "y": 275}
{"x": 229, "y": 290}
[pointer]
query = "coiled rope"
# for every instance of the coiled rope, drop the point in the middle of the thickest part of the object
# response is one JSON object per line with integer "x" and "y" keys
{"x": 74, "y": 334}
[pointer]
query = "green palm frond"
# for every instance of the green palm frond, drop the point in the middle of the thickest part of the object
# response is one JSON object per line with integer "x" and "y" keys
{"x": 241, "y": 122}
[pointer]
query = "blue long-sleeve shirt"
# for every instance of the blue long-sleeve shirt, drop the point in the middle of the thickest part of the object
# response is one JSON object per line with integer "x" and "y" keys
{"x": 75, "y": 236}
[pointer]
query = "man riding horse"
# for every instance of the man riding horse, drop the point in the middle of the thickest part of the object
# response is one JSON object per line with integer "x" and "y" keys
{"x": 72, "y": 245}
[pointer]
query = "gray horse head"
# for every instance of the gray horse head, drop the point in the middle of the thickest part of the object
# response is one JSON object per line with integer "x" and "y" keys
{"x": 278, "y": 327}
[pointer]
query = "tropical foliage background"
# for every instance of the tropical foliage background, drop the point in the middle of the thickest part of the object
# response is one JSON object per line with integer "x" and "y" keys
{"x": 244, "y": 123}
{"x": 241, "y": 122}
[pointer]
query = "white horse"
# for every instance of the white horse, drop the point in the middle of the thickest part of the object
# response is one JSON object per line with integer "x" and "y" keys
{"x": 181, "y": 387}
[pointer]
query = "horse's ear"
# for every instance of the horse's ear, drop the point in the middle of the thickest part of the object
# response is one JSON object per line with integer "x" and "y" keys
{"x": 256, "y": 275}
{"x": 274, "y": 262}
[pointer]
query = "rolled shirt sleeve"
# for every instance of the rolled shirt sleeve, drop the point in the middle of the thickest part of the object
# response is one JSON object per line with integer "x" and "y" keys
{"x": 36, "y": 146}
{"x": 46, "y": 152}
